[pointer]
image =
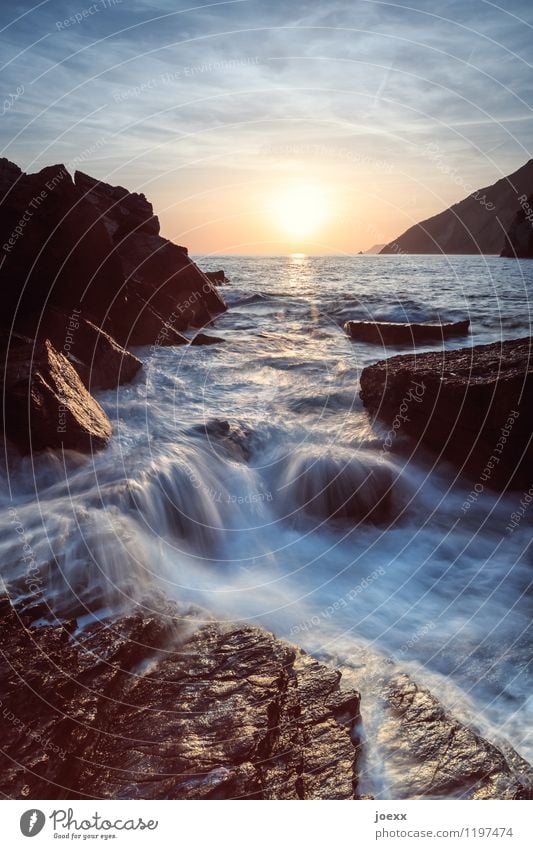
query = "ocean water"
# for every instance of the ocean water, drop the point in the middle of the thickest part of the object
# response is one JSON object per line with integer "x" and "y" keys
{"x": 245, "y": 479}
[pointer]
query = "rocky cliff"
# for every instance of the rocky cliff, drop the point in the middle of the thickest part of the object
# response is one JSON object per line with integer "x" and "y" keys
{"x": 85, "y": 275}
{"x": 519, "y": 238}
{"x": 477, "y": 224}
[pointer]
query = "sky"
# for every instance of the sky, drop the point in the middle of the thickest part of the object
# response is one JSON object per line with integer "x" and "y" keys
{"x": 270, "y": 126}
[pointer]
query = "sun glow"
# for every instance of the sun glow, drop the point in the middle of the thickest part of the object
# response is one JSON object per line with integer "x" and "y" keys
{"x": 300, "y": 210}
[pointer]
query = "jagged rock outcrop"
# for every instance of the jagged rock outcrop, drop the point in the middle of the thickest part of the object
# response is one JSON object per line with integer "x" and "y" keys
{"x": 47, "y": 405}
{"x": 97, "y": 357}
{"x": 84, "y": 275}
{"x": 477, "y": 224}
{"x": 151, "y": 706}
{"x": 472, "y": 406}
{"x": 56, "y": 251}
{"x": 122, "y": 211}
{"x": 404, "y": 333}
{"x": 171, "y": 283}
{"x": 519, "y": 238}
{"x": 451, "y": 759}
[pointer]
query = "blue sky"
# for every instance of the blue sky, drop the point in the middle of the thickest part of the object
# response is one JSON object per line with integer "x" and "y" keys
{"x": 213, "y": 110}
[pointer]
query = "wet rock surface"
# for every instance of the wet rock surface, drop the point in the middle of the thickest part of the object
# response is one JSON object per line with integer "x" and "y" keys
{"x": 436, "y": 756}
{"x": 46, "y": 403}
{"x": 403, "y": 333}
{"x": 472, "y": 406}
{"x": 86, "y": 272}
{"x": 151, "y": 706}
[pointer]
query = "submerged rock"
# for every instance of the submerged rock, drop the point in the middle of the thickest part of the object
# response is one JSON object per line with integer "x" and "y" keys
{"x": 471, "y": 406}
{"x": 404, "y": 333}
{"x": 335, "y": 486}
{"x": 204, "y": 339}
{"x": 151, "y": 706}
{"x": 217, "y": 277}
{"x": 46, "y": 403}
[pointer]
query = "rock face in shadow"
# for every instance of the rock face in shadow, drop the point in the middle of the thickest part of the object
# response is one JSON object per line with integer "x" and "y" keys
{"x": 47, "y": 405}
{"x": 84, "y": 275}
{"x": 170, "y": 282}
{"x": 151, "y": 707}
{"x": 217, "y": 277}
{"x": 97, "y": 357}
{"x": 472, "y": 406}
{"x": 475, "y": 225}
{"x": 57, "y": 250}
{"x": 519, "y": 238}
{"x": 403, "y": 333}
{"x": 85, "y": 244}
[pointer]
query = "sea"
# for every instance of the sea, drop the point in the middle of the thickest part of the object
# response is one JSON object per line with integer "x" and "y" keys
{"x": 246, "y": 481}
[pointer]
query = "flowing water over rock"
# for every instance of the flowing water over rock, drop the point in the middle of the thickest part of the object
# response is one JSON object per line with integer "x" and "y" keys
{"x": 245, "y": 478}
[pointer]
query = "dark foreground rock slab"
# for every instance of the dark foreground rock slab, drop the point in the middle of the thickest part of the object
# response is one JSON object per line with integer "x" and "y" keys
{"x": 472, "y": 406}
{"x": 46, "y": 403}
{"x": 403, "y": 333}
{"x": 152, "y": 707}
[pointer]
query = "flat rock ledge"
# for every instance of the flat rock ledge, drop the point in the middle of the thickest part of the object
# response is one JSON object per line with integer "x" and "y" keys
{"x": 150, "y": 706}
{"x": 471, "y": 406}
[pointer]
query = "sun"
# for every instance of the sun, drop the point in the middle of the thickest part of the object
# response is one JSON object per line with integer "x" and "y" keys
{"x": 300, "y": 210}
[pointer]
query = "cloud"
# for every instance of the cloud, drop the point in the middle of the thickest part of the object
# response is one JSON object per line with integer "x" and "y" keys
{"x": 139, "y": 90}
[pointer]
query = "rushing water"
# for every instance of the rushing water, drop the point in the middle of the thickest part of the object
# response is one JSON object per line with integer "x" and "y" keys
{"x": 237, "y": 520}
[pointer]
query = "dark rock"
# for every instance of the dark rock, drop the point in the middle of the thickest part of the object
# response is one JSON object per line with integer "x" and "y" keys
{"x": 173, "y": 284}
{"x": 56, "y": 250}
{"x": 204, "y": 339}
{"x": 233, "y": 436}
{"x": 99, "y": 360}
{"x": 471, "y": 406}
{"x": 404, "y": 333}
{"x": 519, "y": 238}
{"x": 122, "y": 211}
{"x": 472, "y": 226}
{"x": 74, "y": 245}
{"x": 46, "y": 403}
{"x": 143, "y": 323}
{"x": 331, "y": 485}
{"x": 217, "y": 277}
{"x": 151, "y": 707}
{"x": 452, "y": 759}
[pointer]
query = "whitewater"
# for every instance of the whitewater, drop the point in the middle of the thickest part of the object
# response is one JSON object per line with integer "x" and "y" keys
{"x": 245, "y": 480}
